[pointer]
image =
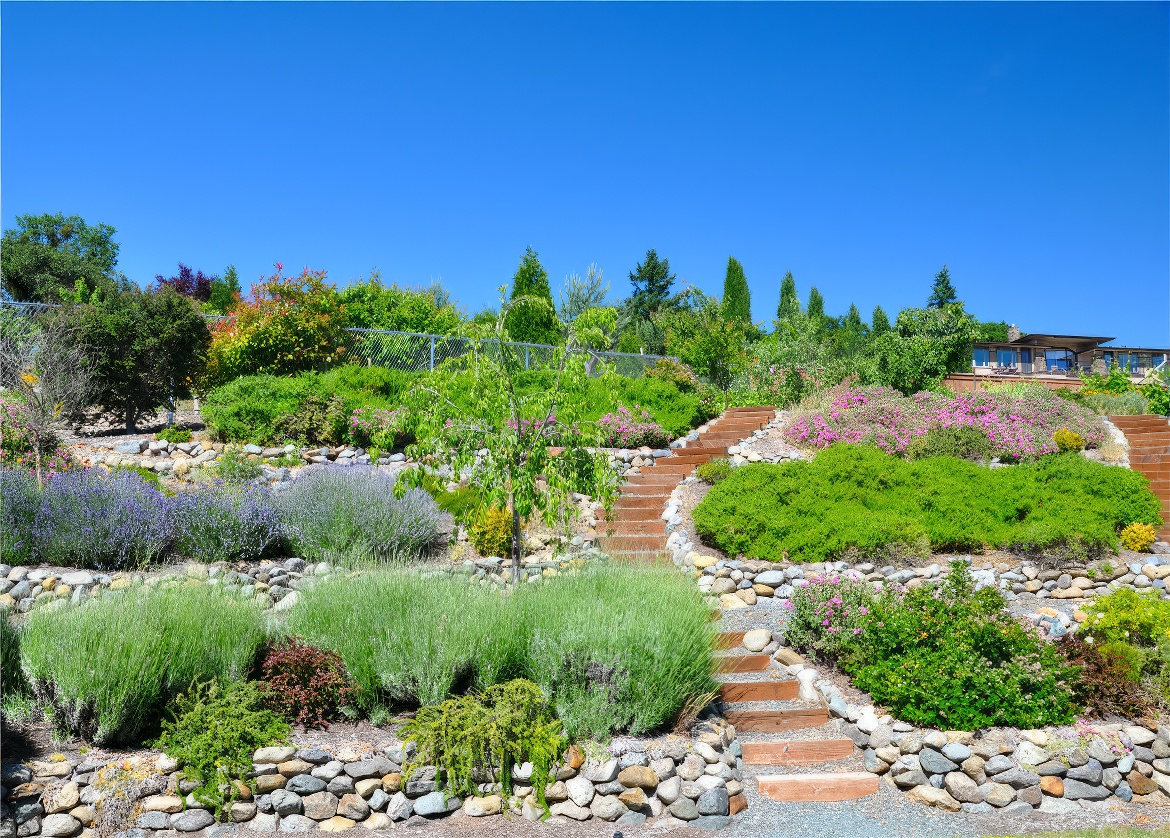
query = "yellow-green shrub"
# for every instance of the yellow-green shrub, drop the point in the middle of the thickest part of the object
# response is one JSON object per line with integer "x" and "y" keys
{"x": 1138, "y": 537}
{"x": 492, "y": 532}
{"x": 1067, "y": 440}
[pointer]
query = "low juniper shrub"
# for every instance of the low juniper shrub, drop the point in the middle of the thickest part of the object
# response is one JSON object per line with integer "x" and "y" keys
{"x": 234, "y": 466}
{"x": 306, "y": 685}
{"x": 212, "y": 732}
{"x": 491, "y": 534}
{"x": 715, "y": 470}
{"x": 173, "y": 435}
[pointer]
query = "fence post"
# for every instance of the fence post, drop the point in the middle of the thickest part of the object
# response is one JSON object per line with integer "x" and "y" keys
{"x": 526, "y": 357}
{"x": 432, "y": 353}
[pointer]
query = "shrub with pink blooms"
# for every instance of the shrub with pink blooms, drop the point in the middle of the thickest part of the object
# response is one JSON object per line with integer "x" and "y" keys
{"x": 631, "y": 429}
{"x": 826, "y": 615}
{"x": 1019, "y": 423}
{"x": 377, "y": 427}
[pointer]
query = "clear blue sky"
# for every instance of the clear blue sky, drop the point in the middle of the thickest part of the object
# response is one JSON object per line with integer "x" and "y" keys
{"x": 860, "y": 146}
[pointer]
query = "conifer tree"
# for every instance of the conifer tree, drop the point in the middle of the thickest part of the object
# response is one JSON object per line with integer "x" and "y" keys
{"x": 652, "y": 281}
{"x": 881, "y": 323}
{"x": 737, "y": 298}
{"x": 816, "y": 306}
{"x": 789, "y": 303}
{"x": 943, "y": 293}
{"x": 535, "y": 320}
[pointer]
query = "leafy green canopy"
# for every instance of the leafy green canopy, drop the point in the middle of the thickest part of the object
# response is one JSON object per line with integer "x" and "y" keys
{"x": 46, "y": 257}
{"x": 853, "y": 499}
{"x": 373, "y": 305}
{"x": 531, "y": 317}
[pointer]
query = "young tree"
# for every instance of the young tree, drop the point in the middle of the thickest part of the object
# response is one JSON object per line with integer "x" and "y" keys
{"x": 737, "y": 298}
{"x": 189, "y": 283}
{"x": 816, "y": 306}
{"x": 924, "y": 345}
{"x": 789, "y": 305}
{"x": 47, "y": 255}
{"x": 705, "y": 339}
{"x": 47, "y": 369}
{"x": 501, "y": 445}
{"x": 579, "y": 295}
{"x": 225, "y": 291}
{"x": 371, "y": 305}
{"x": 881, "y": 323}
{"x": 535, "y": 322}
{"x": 145, "y": 347}
{"x": 943, "y": 293}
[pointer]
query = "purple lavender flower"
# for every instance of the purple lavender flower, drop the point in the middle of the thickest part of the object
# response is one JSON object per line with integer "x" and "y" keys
{"x": 218, "y": 522}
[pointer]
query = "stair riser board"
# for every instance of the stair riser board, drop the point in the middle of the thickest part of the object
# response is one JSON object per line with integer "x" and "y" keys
{"x": 776, "y": 721}
{"x": 734, "y": 664}
{"x": 812, "y": 752}
{"x": 739, "y": 691}
{"x": 728, "y": 639}
{"x": 826, "y": 788}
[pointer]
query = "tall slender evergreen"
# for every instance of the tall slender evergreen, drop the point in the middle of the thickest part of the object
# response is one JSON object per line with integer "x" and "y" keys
{"x": 737, "y": 298}
{"x": 789, "y": 303}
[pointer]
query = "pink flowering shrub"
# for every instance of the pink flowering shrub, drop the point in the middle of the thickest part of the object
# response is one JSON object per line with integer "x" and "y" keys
{"x": 17, "y": 445}
{"x": 827, "y": 615}
{"x": 631, "y": 429}
{"x": 1019, "y": 424}
{"x": 377, "y": 427}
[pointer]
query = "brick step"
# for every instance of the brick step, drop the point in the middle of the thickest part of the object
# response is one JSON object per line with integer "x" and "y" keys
{"x": 811, "y": 752}
{"x": 826, "y": 787}
{"x": 735, "y": 663}
{"x": 776, "y": 721}
{"x": 737, "y": 691}
{"x": 633, "y": 528}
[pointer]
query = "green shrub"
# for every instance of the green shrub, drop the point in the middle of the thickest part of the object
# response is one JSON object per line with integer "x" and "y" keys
{"x": 235, "y": 467}
{"x": 11, "y": 678}
{"x": 151, "y": 643}
{"x": 961, "y": 441}
{"x": 948, "y": 656}
{"x": 613, "y": 648}
{"x": 150, "y": 477}
{"x": 318, "y": 420}
{"x": 715, "y": 470}
{"x": 1108, "y": 682}
{"x": 173, "y": 435}
{"x": 491, "y": 534}
{"x": 1114, "y": 404}
{"x": 1139, "y": 617}
{"x": 213, "y": 732}
{"x": 675, "y": 373}
{"x": 508, "y": 724}
{"x": 853, "y": 499}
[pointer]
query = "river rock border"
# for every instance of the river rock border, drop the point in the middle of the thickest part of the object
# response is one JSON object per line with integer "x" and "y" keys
{"x": 678, "y": 781}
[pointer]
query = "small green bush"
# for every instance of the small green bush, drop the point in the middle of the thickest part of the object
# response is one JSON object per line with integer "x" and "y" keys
{"x": 508, "y": 724}
{"x": 1068, "y": 441}
{"x": 173, "y": 435}
{"x": 715, "y": 470}
{"x": 1138, "y": 617}
{"x": 11, "y": 678}
{"x": 674, "y": 373}
{"x": 491, "y": 535}
{"x": 213, "y": 732}
{"x": 613, "y": 648}
{"x": 318, "y": 420}
{"x": 236, "y": 468}
{"x": 150, "y": 477}
{"x": 961, "y": 441}
{"x": 107, "y": 667}
{"x": 853, "y": 499}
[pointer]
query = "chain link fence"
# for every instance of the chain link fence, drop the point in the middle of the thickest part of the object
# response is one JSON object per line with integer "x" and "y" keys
{"x": 382, "y": 348}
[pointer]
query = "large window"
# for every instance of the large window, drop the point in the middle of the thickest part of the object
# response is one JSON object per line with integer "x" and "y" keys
{"x": 1005, "y": 357}
{"x": 1155, "y": 360}
{"x": 1058, "y": 359}
{"x": 981, "y": 357}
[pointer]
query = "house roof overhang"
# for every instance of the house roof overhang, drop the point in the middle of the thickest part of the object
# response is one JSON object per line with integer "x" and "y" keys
{"x": 1076, "y": 344}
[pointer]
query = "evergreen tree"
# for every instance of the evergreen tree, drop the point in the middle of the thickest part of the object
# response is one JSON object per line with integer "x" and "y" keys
{"x": 816, "y": 306}
{"x": 224, "y": 290}
{"x": 943, "y": 293}
{"x": 881, "y": 323}
{"x": 652, "y": 281}
{"x": 534, "y": 320}
{"x": 789, "y": 303}
{"x": 737, "y": 298}
{"x": 853, "y": 321}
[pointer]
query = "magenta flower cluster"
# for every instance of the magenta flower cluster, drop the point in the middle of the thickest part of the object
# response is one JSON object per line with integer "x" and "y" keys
{"x": 1019, "y": 423}
{"x": 828, "y": 611}
{"x": 631, "y": 429}
{"x": 376, "y": 426}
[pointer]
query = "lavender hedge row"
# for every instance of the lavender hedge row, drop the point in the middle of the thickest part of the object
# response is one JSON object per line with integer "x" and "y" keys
{"x": 90, "y": 518}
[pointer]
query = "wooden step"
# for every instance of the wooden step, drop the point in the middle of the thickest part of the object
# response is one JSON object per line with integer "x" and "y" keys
{"x": 810, "y": 752}
{"x": 776, "y": 721}
{"x": 632, "y": 501}
{"x": 676, "y": 470}
{"x": 654, "y": 478}
{"x": 695, "y": 458}
{"x": 729, "y": 639}
{"x": 824, "y": 787}
{"x": 732, "y": 664}
{"x": 634, "y": 528}
{"x": 634, "y": 490}
{"x": 632, "y": 543}
{"x": 736, "y": 691}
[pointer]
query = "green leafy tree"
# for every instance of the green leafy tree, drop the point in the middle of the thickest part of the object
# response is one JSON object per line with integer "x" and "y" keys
{"x": 46, "y": 256}
{"x": 993, "y": 332}
{"x": 943, "y": 293}
{"x": 145, "y": 348}
{"x": 373, "y": 305}
{"x": 225, "y": 291}
{"x": 789, "y": 305}
{"x": 880, "y": 322}
{"x": 652, "y": 281}
{"x": 850, "y": 333}
{"x": 923, "y": 347}
{"x": 535, "y": 321}
{"x": 702, "y": 336}
{"x": 517, "y": 429}
{"x": 737, "y": 298}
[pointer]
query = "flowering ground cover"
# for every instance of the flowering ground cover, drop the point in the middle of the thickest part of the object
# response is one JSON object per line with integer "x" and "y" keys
{"x": 631, "y": 429}
{"x": 1018, "y": 422}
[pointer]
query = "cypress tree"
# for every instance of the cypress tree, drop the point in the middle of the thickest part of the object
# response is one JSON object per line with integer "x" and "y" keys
{"x": 789, "y": 303}
{"x": 816, "y": 306}
{"x": 881, "y": 323}
{"x": 737, "y": 298}
{"x": 943, "y": 293}
{"x": 534, "y": 321}
{"x": 853, "y": 320}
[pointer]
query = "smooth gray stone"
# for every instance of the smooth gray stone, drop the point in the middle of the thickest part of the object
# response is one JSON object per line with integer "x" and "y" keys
{"x": 432, "y": 805}
{"x": 713, "y": 802}
{"x": 1078, "y": 790}
{"x": 192, "y": 820}
{"x": 935, "y": 763}
{"x": 711, "y": 822}
{"x": 153, "y": 820}
{"x": 305, "y": 784}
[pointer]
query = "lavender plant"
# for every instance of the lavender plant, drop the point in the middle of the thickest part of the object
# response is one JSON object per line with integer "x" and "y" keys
{"x": 90, "y": 519}
{"x": 221, "y": 522}
{"x": 351, "y": 513}
{"x": 19, "y": 501}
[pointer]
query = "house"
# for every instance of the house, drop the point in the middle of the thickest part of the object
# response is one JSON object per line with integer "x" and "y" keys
{"x": 1060, "y": 357}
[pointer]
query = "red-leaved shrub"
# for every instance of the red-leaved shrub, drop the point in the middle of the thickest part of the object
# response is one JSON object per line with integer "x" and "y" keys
{"x": 307, "y": 685}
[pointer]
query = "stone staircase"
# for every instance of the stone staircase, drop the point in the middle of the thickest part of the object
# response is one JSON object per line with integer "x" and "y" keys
{"x": 788, "y": 750}
{"x": 634, "y": 530}
{"x": 1149, "y": 453}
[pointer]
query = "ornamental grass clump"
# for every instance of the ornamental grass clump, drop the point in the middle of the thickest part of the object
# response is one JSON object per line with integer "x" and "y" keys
{"x": 612, "y": 648}
{"x": 108, "y": 666}
{"x": 221, "y": 522}
{"x": 91, "y": 519}
{"x": 1018, "y": 422}
{"x": 350, "y": 513}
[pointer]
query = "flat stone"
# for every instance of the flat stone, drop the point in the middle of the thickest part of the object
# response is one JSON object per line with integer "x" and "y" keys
{"x": 962, "y": 788}
{"x": 637, "y": 776}
{"x": 1059, "y": 806}
{"x": 1017, "y": 778}
{"x": 305, "y": 784}
{"x": 378, "y": 820}
{"x": 999, "y": 794}
{"x": 192, "y": 820}
{"x": 432, "y": 805}
{"x": 711, "y": 822}
{"x": 59, "y": 825}
{"x": 934, "y": 762}
{"x": 684, "y": 809}
{"x": 297, "y": 823}
{"x": 366, "y": 768}
{"x": 568, "y": 809}
{"x": 931, "y": 796}
{"x": 293, "y": 767}
{"x": 478, "y": 807}
{"x": 274, "y": 754}
{"x": 153, "y": 820}
{"x": 337, "y": 823}
{"x": 1079, "y": 790}
{"x": 607, "y": 807}
{"x": 1140, "y": 784}
{"x": 266, "y": 783}
{"x": 172, "y": 804}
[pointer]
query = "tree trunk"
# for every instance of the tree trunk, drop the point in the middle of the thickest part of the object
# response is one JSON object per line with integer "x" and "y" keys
{"x": 131, "y": 420}
{"x": 516, "y": 545}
